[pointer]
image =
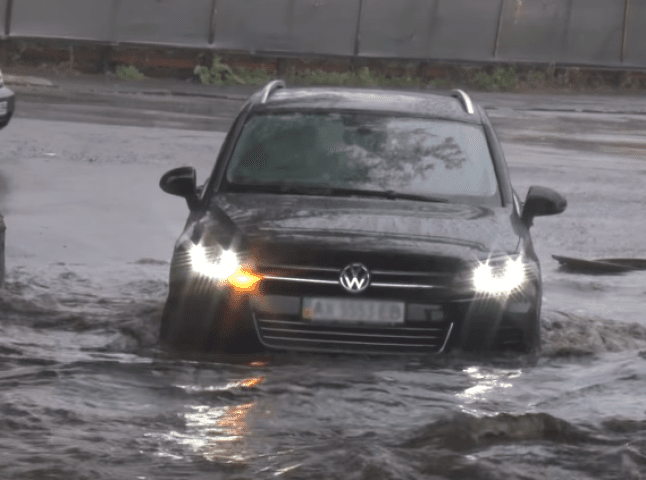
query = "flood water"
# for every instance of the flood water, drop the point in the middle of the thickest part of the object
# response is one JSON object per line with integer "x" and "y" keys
{"x": 86, "y": 393}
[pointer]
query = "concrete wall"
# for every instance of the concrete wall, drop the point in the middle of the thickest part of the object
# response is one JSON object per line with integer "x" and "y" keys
{"x": 293, "y": 26}
{"x": 3, "y": 11}
{"x": 175, "y": 22}
{"x": 571, "y": 31}
{"x": 73, "y": 19}
{"x": 586, "y": 32}
{"x": 439, "y": 29}
{"x": 635, "y": 43}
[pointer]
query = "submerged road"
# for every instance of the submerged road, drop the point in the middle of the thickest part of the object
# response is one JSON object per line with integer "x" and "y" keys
{"x": 86, "y": 393}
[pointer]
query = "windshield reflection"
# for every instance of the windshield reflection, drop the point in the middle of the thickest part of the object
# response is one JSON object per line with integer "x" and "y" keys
{"x": 363, "y": 152}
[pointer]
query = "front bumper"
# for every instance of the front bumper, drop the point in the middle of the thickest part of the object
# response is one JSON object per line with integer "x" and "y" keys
{"x": 467, "y": 324}
{"x": 202, "y": 314}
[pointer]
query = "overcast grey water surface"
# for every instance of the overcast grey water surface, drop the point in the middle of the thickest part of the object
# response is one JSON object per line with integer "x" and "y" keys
{"x": 86, "y": 393}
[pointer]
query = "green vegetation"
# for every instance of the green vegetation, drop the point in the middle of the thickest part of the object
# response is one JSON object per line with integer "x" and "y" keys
{"x": 252, "y": 77}
{"x": 440, "y": 83}
{"x": 536, "y": 79}
{"x": 363, "y": 78}
{"x": 501, "y": 79}
{"x": 129, "y": 73}
{"x": 222, "y": 74}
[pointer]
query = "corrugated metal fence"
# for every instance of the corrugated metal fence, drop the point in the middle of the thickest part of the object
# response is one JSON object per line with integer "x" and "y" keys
{"x": 588, "y": 32}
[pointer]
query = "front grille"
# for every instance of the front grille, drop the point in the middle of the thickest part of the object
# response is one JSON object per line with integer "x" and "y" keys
{"x": 293, "y": 334}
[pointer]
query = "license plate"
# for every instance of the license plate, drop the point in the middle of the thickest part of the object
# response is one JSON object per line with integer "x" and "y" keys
{"x": 353, "y": 311}
{"x": 3, "y": 108}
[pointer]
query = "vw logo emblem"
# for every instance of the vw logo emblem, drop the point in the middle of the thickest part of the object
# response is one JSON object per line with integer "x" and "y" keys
{"x": 355, "y": 278}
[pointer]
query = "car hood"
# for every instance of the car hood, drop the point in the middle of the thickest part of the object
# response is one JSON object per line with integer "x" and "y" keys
{"x": 368, "y": 224}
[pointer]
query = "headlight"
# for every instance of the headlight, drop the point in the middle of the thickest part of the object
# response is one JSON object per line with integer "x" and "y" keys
{"x": 216, "y": 263}
{"x": 500, "y": 276}
{"x": 1, "y": 80}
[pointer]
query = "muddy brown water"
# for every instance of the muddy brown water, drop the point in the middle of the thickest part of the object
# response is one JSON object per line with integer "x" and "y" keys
{"x": 86, "y": 393}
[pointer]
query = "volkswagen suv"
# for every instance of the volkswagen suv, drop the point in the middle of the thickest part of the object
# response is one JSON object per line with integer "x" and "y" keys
{"x": 356, "y": 220}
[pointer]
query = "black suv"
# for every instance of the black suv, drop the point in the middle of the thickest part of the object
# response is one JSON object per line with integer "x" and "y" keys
{"x": 350, "y": 220}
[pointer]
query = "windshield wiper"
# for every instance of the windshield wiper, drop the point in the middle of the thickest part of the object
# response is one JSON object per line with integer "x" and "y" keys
{"x": 389, "y": 194}
{"x": 414, "y": 196}
{"x": 318, "y": 190}
{"x": 281, "y": 188}
{"x": 305, "y": 190}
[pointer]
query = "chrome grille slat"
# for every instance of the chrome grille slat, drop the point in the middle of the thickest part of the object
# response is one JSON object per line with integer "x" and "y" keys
{"x": 303, "y": 280}
{"x": 406, "y": 274}
{"x": 355, "y": 327}
{"x": 446, "y": 339}
{"x": 297, "y": 267}
{"x": 401, "y": 285}
{"x": 330, "y": 276}
{"x": 292, "y": 268}
{"x": 296, "y": 334}
{"x": 347, "y": 334}
{"x": 347, "y": 342}
{"x": 336, "y": 282}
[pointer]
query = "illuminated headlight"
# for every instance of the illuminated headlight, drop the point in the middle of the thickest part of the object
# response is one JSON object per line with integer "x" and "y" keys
{"x": 500, "y": 276}
{"x": 213, "y": 262}
{"x": 223, "y": 265}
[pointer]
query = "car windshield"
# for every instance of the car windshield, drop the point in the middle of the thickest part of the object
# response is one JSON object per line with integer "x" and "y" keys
{"x": 358, "y": 153}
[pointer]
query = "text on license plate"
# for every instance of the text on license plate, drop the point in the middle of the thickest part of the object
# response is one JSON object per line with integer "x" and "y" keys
{"x": 351, "y": 310}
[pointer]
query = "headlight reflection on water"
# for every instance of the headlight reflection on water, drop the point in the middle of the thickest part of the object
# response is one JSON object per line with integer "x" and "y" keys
{"x": 215, "y": 433}
{"x": 486, "y": 384}
{"x": 246, "y": 383}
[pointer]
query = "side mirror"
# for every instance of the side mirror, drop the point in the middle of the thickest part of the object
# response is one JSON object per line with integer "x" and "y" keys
{"x": 542, "y": 201}
{"x": 181, "y": 181}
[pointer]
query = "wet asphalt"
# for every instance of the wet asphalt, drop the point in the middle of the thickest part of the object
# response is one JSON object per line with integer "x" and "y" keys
{"x": 166, "y": 102}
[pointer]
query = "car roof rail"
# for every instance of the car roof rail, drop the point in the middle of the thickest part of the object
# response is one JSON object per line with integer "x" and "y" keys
{"x": 270, "y": 88}
{"x": 465, "y": 100}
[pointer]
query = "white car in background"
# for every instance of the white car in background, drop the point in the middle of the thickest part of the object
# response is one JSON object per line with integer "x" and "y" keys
{"x": 7, "y": 102}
